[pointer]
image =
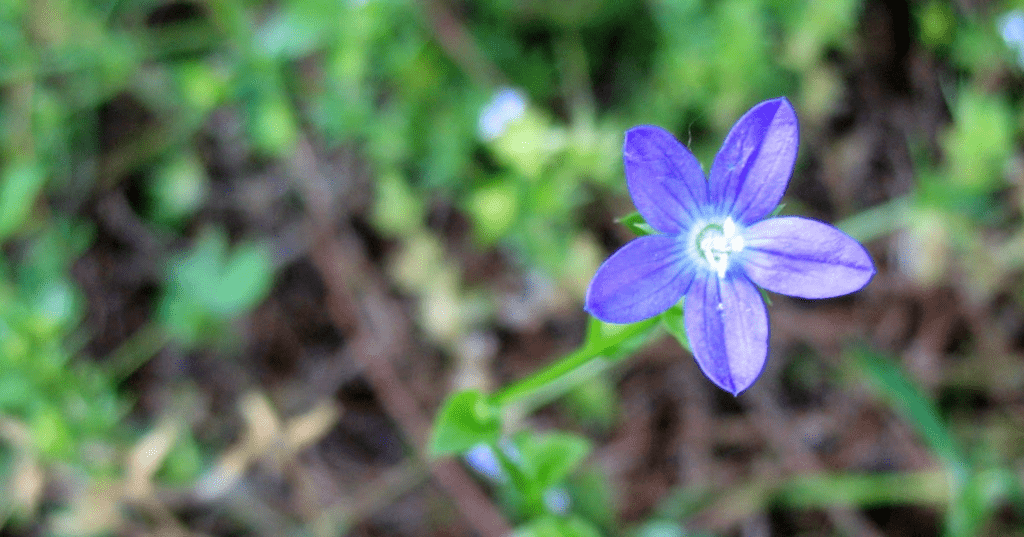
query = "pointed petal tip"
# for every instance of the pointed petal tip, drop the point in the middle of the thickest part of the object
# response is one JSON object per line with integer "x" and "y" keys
{"x": 778, "y": 111}
{"x": 776, "y": 107}
{"x": 644, "y": 128}
{"x": 781, "y": 102}
{"x": 733, "y": 388}
{"x": 729, "y": 385}
{"x": 727, "y": 325}
{"x": 740, "y": 389}
{"x": 752, "y": 169}
{"x": 640, "y": 134}
{"x": 806, "y": 258}
{"x": 665, "y": 180}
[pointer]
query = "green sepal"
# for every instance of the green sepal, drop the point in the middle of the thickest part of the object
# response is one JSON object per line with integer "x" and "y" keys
{"x": 672, "y": 320}
{"x": 637, "y": 224}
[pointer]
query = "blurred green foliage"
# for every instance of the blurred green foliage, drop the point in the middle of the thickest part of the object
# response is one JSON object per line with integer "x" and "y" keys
{"x": 62, "y": 403}
{"x": 208, "y": 287}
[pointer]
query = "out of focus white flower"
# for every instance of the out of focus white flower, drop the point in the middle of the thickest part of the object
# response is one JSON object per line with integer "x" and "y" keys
{"x": 557, "y": 500}
{"x": 1011, "y": 27}
{"x": 482, "y": 458}
{"x": 506, "y": 106}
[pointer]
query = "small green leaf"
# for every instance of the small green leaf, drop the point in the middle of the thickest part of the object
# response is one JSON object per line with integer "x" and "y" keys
{"x": 397, "y": 211}
{"x": 594, "y": 403}
{"x": 465, "y": 420}
{"x": 593, "y": 498}
{"x": 659, "y": 528}
{"x": 245, "y": 279}
{"x": 637, "y": 224}
{"x": 672, "y": 320}
{"x": 177, "y": 188}
{"x": 550, "y": 457}
{"x": 19, "y": 187}
{"x": 184, "y": 463}
{"x": 552, "y": 526}
{"x": 272, "y": 125}
{"x": 969, "y": 509}
{"x": 493, "y": 208}
{"x": 225, "y": 283}
{"x": 979, "y": 141}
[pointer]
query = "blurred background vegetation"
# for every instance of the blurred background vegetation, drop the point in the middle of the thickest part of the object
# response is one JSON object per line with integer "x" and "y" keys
{"x": 247, "y": 247}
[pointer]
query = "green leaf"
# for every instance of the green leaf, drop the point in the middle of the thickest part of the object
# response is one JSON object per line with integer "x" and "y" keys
{"x": 637, "y": 224}
{"x": 980, "y": 141}
{"x": 594, "y": 402}
{"x": 593, "y": 498}
{"x": 221, "y": 282}
{"x": 907, "y": 399}
{"x": 494, "y": 208}
{"x": 398, "y": 211}
{"x": 659, "y": 528}
{"x": 816, "y": 491}
{"x": 550, "y": 457}
{"x": 177, "y": 188}
{"x": 184, "y": 463}
{"x": 19, "y": 187}
{"x": 245, "y": 279}
{"x": 465, "y": 420}
{"x": 979, "y": 498}
{"x": 210, "y": 285}
{"x": 552, "y": 526}
{"x": 672, "y": 320}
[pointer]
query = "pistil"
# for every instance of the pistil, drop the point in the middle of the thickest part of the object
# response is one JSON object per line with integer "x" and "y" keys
{"x": 716, "y": 242}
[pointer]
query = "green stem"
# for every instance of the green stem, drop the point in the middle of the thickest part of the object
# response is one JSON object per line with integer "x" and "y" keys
{"x": 595, "y": 346}
{"x": 137, "y": 350}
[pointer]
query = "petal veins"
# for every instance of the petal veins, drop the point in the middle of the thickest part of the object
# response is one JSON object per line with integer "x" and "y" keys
{"x": 665, "y": 180}
{"x": 642, "y": 279}
{"x": 805, "y": 258}
{"x": 727, "y": 325}
{"x": 751, "y": 171}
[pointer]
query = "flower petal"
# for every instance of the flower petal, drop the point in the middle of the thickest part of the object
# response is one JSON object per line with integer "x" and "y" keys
{"x": 727, "y": 324}
{"x": 644, "y": 278}
{"x": 665, "y": 180}
{"x": 751, "y": 171}
{"x": 805, "y": 258}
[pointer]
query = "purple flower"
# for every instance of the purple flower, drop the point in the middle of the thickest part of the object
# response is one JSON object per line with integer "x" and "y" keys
{"x": 715, "y": 246}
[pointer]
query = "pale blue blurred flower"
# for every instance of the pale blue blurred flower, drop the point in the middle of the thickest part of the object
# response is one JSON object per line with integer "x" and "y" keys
{"x": 506, "y": 106}
{"x": 481, "y": 458}
{"x": 557, "y": 500}
{"x": 1011, "y": 27}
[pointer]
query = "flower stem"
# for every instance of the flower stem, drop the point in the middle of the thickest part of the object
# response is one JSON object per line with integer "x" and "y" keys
{"x": 601, "y": 338}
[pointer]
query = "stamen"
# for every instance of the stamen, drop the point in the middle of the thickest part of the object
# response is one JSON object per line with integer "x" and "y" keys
{"x": 716, "y": 242}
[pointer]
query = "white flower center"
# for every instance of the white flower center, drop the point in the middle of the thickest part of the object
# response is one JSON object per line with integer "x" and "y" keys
{"x": 716, "y": 242}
